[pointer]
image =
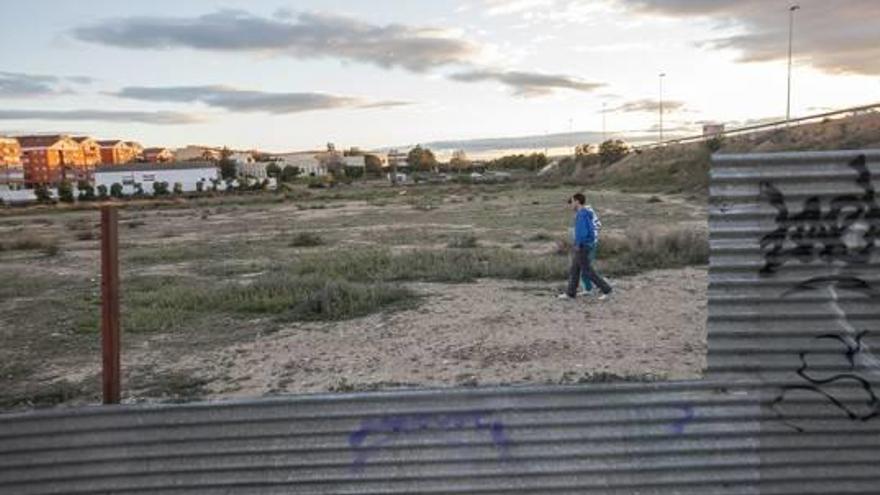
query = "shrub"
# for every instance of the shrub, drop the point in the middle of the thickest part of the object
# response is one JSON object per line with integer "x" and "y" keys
{"x": 42, "y": 194}
{"x": 178, "y": 188}
{"x": 116, "y": 190}
{"x": 612, "y": 151}
{"x": 138, "y": 189}
{"x": 32, "y": 242}
{"x": 65, "y": 192}
{"x": 102, "y": 192}
{"x": 650, "y": 250}
{"x": 466, "y": 241}
{"x": 715, "y": 143}
{"x": 86, "y": 191}
{"x": 200, "y": 186}
{"x": 160, "y": 188}
{"x": 306, "y": 239}
{"x": 290, "y": 173}
{"x": 273, "y": 170}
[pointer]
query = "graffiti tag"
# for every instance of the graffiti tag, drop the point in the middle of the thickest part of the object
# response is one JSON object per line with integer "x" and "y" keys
{"x": 847, "y": 232}
{"x": 378, "y": 433}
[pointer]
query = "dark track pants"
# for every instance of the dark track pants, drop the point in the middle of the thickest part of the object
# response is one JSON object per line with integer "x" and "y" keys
{"x": 582, "y": 265}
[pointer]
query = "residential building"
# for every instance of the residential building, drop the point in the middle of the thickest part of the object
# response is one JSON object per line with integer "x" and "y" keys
{"x": 397, "y": 158}
{"x": 710, "y": 130}
{"x": 197, "y": 153}
{"x": 242, "y": 157}
{"x": 188, "y": 174}
{"x": 136, "y": 149}
{"x": 354, "y": 161}
{"x": 117, "y": 152}
{"x": 158, "y": 155}
{"x": 91, "y": 150}
{"x": 257, "y": 170}
{"x": 310, "y": 163}
{"x": 51, "y": 159}
{"x": 11, "y": 170}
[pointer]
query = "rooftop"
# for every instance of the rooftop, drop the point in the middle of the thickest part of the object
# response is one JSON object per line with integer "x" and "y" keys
{"x": 141, "y": 167}
{"x": 40, "y": 140}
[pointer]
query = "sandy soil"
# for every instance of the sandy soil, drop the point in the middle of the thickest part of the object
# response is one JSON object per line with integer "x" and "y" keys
{"x": 489, "y": 332}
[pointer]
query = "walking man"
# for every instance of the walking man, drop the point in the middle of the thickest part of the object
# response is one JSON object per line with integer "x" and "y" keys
{"x": 584, "y": 241}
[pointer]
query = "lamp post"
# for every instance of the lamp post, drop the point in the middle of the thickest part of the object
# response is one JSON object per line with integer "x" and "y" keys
{"x": 791, "y": 11}
{"x": 662, "y": 75}
{"x": 604, "y": 136}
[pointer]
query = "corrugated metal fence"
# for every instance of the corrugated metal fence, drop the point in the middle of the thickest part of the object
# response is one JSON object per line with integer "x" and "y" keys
{"x": 789, "y": 405}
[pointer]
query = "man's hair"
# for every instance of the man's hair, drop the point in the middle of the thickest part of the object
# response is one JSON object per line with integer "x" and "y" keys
{"x": 580, "y": 198}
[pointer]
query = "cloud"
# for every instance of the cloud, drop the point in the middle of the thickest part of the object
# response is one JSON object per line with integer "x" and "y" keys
{"x": 241, "y": 100}
{"x": 649, "y": 106}
{"x": 837, "y": 37}
{"x": 303, "y": 35}
{"x": 508, "y": 7}
{"x": 527, "y": 84}
{"x": 20, "y": 85}
{"x": 160, "y": 118}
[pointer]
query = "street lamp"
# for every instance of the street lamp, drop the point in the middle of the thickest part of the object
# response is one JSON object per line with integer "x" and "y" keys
{"x": 791, "y": 11}
{"x": 604, "y": 136}
{"x": 662, "y": 75}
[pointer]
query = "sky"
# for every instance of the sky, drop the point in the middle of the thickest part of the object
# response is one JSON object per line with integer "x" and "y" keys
{"x": 288, "y": 75}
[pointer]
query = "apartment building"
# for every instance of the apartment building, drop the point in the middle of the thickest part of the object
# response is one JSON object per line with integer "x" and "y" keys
{"x": 51, "y": 159}
{"x": 11, "y": 170}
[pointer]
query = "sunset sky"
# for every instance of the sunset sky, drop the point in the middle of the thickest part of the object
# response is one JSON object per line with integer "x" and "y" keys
{"x": 279, "y": 75}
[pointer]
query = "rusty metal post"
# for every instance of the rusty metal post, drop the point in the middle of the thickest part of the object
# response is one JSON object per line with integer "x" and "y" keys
{"x": 110, "y": 303}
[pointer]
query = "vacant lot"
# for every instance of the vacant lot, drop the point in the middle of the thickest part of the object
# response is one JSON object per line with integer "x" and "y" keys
{"x": 355, "y": 288}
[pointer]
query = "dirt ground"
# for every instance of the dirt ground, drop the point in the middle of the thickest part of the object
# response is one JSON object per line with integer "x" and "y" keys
{"x": 490, "y": 331}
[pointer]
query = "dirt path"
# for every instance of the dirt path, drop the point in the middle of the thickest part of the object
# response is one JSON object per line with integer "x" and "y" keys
{"x": 490, "y": 332}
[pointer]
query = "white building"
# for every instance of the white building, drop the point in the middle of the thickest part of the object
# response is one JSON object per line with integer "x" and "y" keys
{"x": 193, "y": 152}
{"x": 242, "y": 157}
{"x": 309, "y": 162}
{"x": 253, "y": 169}
{"x": 354, "y": 161}
{"x": 188, "y": 174}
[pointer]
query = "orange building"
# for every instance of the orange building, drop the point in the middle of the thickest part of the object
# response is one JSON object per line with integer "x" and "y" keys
{"x": 136, "y": 149}
{"x": 117, "y": 152}
{"x": 91, "y": 150}
{"x": 52, "y": 159}
{"x": 11, "y": 171}
{"x": 158, "y": 155}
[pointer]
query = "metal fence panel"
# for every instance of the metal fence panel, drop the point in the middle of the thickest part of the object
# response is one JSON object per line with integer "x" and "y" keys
{"x": 788, "y": 406}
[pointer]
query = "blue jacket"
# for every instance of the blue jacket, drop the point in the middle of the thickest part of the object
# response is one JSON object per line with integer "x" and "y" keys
{"x": 584, "y": 228}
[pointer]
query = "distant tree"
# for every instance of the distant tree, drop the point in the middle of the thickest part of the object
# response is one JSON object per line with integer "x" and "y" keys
{"x": 421, "y": 159}
{"x": 178, "y": 188}
{"x": 160, "y": 188}
{"x": 373, "y": 165}
{"x": 227, "y": 164}
{"x": 86, "y": 191}
{"x": 102, "y": 192}
{"x": 533, "y": 162}
{"x": 715, "y": 143}
{"x": 290, "y": 173}
{"x": 612, "y": 151}
{"x": 273, "y": 170}
{"x": 584, "y": 150}
{"x": 65, "y": 192}
{"x": 200, "y": 185}
{"x": 42, "y": 193}
{"x": 116, "y": 190}
{"x": 459, "y": 160}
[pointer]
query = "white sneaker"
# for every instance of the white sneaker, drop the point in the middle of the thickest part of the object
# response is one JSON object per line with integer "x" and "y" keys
{"x": 564, "y": 296}
{"x": 603, "y": 297}
{"x": 584, "y": 293}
